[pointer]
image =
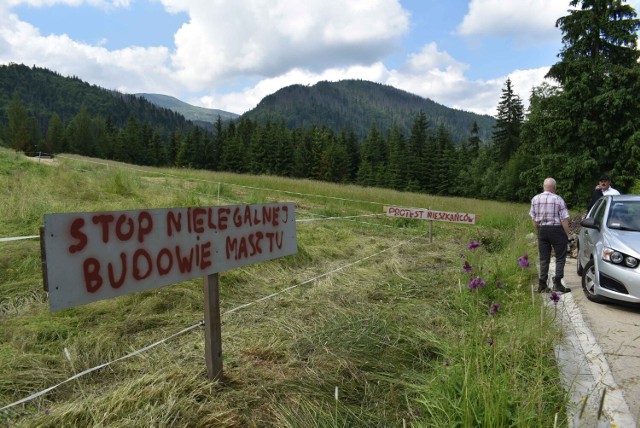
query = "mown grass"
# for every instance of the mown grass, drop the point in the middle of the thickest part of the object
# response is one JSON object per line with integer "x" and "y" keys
{"x": 378, "y": 329}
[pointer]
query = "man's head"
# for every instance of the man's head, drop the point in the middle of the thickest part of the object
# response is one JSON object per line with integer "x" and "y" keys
{"x": 605, "y": 182}
{"x": 549, "y": 185}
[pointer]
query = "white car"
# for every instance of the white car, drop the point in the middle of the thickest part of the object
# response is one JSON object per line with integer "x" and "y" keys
{"x": 609, "y": 249}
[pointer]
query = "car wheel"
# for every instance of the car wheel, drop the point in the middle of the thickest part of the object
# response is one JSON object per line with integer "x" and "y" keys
{"x": 589, "y": 282}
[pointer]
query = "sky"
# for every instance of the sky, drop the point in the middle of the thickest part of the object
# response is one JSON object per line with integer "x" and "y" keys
{"x": 229, "y": 54}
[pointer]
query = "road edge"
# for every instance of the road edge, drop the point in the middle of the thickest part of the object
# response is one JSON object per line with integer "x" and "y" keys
{"x": 586, "y": 373}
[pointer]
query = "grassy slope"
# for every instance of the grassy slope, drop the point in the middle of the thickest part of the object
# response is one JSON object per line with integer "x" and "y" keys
{"x": 398, "y": 334}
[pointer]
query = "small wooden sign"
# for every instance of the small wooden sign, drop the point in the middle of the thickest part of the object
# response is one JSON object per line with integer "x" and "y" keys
{"x": 428, "y": 214}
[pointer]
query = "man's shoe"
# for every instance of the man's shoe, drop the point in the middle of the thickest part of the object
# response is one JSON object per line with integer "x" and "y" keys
{"x": 558, "y": 287}
{"x": 543, "y": 287}
{"x": 561, "y": 288}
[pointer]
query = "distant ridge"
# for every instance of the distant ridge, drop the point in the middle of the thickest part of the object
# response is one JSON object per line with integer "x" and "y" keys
{"x": 356, "y": 104}
{"x": 190, "y": 112}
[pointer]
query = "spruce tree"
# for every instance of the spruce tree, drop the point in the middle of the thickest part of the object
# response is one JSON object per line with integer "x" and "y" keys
{"x": 600, "y": 77}
{"x": 54, "y": 139}
{"x": 17, "y": 132}
{"x": 417, "y": 175}
{"x": 506, "y": 134}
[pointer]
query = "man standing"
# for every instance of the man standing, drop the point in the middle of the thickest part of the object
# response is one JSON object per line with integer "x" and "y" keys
{"x": 550, "y": 215}
{"x": 603, "y": 188}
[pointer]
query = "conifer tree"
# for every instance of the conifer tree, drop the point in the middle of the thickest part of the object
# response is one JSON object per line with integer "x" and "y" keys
{"x": 303, "y": 156}
{"x": 17, "y": 132}
{"x": 54, "y": 140}
{"x": 417, "y": 176}
{"x": 284, "y": 151}
{"x": 396, "y": 171}
{"x": 444, "y": 165}
{"x": 506, "y": 134}
{"x": 600, "y": 77}
{"x": 588, "y": 124}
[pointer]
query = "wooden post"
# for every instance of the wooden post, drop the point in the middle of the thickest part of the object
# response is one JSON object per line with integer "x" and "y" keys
{"x": 430, "y": 231}
{"x": 212, "y": 330}
{"x": 43, "y": 258}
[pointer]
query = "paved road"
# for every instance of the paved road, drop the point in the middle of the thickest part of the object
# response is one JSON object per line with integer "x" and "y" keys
{"x": 600, "y": 355}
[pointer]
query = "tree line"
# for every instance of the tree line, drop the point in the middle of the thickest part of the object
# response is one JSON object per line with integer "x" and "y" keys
{"x": 583, "y": 122}
{"x": 426, "y": 160}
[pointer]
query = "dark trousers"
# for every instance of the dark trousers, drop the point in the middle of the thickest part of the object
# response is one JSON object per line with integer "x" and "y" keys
{"x": 552, "y": 237}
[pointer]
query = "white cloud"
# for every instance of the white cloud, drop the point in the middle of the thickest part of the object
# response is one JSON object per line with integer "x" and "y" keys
{"x": 249, "y": 97}
{"x": 266, "y": 38}
{"x": 522, "y": 20}
{"x": 275, "y": 43}
{"x": 430, "y": 74}
{"x": 142, "y": 66}
{"x": 102, "y": 4}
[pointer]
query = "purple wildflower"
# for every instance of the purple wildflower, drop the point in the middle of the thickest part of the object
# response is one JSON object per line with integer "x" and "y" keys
{"x": 523, "y": 261}
{"x": 500, "y": 284}
{"x": 555, "y": 297}
{"x": 494, "y": 308}
{"x": 490, "y": 342}
{"x": 473, "y": 244}
{"x": 467, "y": 268}
{"x": 476, "y": 282}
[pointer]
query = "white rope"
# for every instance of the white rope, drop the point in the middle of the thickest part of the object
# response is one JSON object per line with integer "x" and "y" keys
{"x": 227, "y": 184}
{"x": 201, "y": 323}
{"x": 318, "y": 277}
{"x": 335, "y": 218}
{"x": 77, "y": 375}
{"x": 17, "y": 238}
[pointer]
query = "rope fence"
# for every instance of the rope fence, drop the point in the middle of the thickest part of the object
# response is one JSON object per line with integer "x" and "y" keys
{"x": 201, "y": 323}
{"x": 320, "y": 217}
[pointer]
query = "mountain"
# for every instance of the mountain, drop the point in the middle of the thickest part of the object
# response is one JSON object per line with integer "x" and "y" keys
{"x": 190, "y": 112}
{"x": 356, "y": 104}
{"x": 349, "y": 104}
{"x": 43, "y": 92}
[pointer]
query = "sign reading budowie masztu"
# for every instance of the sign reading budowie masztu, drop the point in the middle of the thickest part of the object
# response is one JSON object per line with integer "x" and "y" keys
{"x": 92, "y": 256}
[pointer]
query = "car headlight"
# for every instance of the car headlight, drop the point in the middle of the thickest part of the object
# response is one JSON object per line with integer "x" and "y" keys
{"x": 616, "y": 257}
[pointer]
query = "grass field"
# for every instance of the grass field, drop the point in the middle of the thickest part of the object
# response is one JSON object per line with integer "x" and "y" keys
{"x": 371, "y": 323}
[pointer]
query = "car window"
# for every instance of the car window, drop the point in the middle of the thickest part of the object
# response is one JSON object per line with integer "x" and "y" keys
{"x": 594, "y": 208}
{"x": 624, "y": 215}
{"x": 598, "y": 210}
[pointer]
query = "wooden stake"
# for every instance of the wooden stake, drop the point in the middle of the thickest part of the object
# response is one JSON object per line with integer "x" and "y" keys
{"x": 212, "y": 329}
{"x": 43, "y": 262}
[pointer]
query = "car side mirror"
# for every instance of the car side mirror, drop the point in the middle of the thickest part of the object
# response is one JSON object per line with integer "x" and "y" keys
{"x": 590, "y": 223}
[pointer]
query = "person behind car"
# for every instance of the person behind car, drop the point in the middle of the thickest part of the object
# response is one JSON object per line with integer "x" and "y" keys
{"x": 602, "y": 188}
{"x": 550, "y": 217}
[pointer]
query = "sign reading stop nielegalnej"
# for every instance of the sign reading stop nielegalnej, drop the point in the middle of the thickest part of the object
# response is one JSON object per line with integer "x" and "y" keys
{"x": 428, "y": 214}
{"x": 93, "y": 256}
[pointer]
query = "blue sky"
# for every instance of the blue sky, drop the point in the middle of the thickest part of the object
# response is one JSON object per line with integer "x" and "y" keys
{"x": 229, "y": 54}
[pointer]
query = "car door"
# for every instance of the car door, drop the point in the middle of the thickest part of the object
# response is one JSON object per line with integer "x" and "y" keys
{"x": 589, "y": 238}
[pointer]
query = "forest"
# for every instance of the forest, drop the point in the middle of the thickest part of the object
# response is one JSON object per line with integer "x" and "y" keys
{"x": 584, "y": 123}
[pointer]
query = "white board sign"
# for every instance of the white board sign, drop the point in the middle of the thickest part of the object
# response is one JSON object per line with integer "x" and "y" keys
{"x": 100, "y": 255}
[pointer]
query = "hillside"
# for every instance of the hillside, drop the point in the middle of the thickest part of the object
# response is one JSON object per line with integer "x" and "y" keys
{"x": 348, "y": 104}
{"x": 44, "y": 92}
{"x": 190, "y": 112}
{"x": 356, "y": 104}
